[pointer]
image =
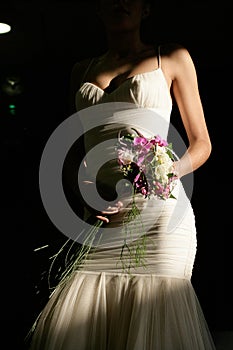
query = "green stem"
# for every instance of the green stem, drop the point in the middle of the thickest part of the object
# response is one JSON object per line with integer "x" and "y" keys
{"x": 79, "y": 257}
{"x": 133, "y": 253}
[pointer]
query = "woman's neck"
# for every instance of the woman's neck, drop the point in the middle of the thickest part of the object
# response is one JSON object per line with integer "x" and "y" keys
{"x": 124, "y": 45}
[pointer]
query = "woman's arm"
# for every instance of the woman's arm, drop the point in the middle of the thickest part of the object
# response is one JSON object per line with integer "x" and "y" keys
{"x": 186, "y": 94}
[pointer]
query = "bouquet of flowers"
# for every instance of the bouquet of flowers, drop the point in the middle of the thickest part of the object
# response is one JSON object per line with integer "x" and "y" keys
{"x": 148, "y": 165}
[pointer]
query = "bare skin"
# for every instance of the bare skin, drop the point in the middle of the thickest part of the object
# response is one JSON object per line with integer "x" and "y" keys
{"x": 128, "y": 55}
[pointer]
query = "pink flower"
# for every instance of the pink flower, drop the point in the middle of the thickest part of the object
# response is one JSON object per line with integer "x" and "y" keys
{"x": 140, "y": 160}
{"x": 142, "y": 144}
{"x": 142, "y": 141}
{"x": 158, "y": 188}
{"x": 161, "y": 142}
{"x": 144, "y": 191}
{"x": 137, "y": 177}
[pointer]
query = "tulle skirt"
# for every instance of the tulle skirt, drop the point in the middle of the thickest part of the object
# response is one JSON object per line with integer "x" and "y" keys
{"x": 113, "y": 311}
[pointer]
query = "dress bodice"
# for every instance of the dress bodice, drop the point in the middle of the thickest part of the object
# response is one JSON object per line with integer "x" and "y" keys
{"x": 147, "y": 90}
{"x": 142, "y": 101}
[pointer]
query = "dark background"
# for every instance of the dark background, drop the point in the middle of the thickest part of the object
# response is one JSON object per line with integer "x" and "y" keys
{"x": 47, "y": 38}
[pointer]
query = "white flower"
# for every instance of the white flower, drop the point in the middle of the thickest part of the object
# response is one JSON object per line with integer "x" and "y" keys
{"x": 161, "y": 173}
{"x": 126, "y": 156}
{"x": 164, "y": 165}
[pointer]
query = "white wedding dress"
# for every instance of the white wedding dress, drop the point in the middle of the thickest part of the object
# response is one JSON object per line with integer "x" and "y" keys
{"x": 154, "y": 307}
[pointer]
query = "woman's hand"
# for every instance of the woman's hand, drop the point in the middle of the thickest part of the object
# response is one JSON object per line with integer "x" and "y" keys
{"x": 111, "y": 210}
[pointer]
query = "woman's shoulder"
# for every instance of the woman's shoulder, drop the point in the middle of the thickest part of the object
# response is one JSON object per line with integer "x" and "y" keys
{"x": 173, "y": 50}
{"x": 175, "y": 57}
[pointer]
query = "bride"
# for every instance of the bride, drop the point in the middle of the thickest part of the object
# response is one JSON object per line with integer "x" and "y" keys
{"x": 131, "y": 88}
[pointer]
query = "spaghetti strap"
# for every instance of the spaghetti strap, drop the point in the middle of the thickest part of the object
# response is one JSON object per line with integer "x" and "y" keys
{"x": 159, "y": 56}
{"x": 87, "y": 69}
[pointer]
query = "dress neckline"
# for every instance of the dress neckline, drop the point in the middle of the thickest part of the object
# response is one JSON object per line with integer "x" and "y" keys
{"x": 126, "y": 80}
{"x": 157, "y": 70}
